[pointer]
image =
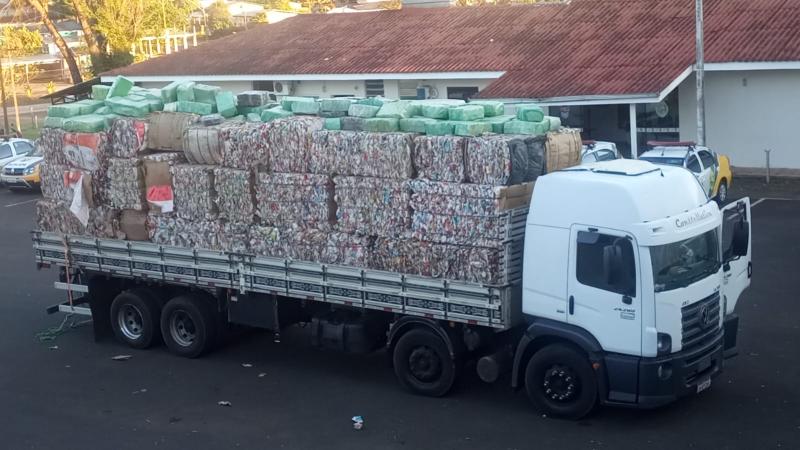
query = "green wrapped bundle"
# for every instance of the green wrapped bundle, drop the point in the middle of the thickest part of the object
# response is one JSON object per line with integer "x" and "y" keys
{"x": 415, "y": 106}
{"x": 332, "y": 114}
{"x": 394, "y": 110}
{"x": 239, "y": 118}
{"x": 226, "y": 104}
{"x": 89, "y": 106}
{"x": 364, "y": 111}
{"x": 89, "y": 123}
{"x": 185, "y": 91}
{"x": 169, "y": 93}
{"x": 414, "y": 124}
{"x": 439, "y": 128}
{"x": 146, "y": 93}
{"x": 274, "y": 113}
{"x": 109, "y": 118}
{"x": 125, "y": 106}
{"x": 497, "y": 122}
{"x": 524, "y": 127}
{"x": 334, "y": 105}
{"x": 53, "y": 122}
{"x": 381, "y": 124}
{"x": 462, "y": 128}
{"x": 372, "y": 101}
{"x": 171, "y": 107}
{"x": 555, "y": 123}
{"x": 103, "y": 110}
{"x": 305, "y": 106}
{"x": 64, "y": 110}
{"x": 204, "y": 93}
{"x": 155, "y": 104}
{"x": 333, "y": 123}
{"x": 530, "y": 113}
{"x": 490, "y": 108}
{"x": 120, "y": 87}
{"x": 434, "y": 111}
{"x": 100, "y": 91}
{"x": 253, "y": 117}
{"x": 198, "y": 108}
{"x": 466, "y": 113}
{"x": 252, "y": 109}
{"x": 286, "y": 102}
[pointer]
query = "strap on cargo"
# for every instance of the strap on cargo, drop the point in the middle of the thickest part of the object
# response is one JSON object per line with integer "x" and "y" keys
{"x": 67, "y": 269}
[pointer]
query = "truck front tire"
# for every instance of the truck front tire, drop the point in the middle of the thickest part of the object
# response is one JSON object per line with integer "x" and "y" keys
{"x": 560, "y": 382}
{"x": 135, "y": 317}
{"x": 423, "y": 363}
{"x": 189, "y": 326}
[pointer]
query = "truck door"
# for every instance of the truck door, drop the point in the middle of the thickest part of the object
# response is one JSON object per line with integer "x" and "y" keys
{"x": 603, "y": 295}
{"x": 735, "y": 246}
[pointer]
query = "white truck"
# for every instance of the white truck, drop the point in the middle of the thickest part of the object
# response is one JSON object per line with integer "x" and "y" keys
{"x": 620, "y": 289}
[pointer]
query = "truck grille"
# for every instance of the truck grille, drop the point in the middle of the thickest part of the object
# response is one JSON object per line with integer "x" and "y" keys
{"x": 700, "y": 322}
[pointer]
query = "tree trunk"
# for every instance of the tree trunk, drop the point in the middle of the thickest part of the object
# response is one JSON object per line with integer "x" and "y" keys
{"x": 66, "y": 52}
{"x": 88, "y": 34}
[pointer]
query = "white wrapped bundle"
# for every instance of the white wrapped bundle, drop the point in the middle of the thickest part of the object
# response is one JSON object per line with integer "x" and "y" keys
{"x": 295, "y": 198}
{"x": 372, "y": 206}
{"x": 193, "y": 188}
{"x": 353, "y": 153}
{"x": 235, "y": 196}
{"x": 128, "y": 137}
{"x": 126, "y": 184}
{"x": 56, "y": 217}
{"x": 440, "y": 158}
{"x": 245, "y": 146}
{"x": 51, "y": 143}
{"x": 289, "y": 142}
{"x": 497, "y": 160}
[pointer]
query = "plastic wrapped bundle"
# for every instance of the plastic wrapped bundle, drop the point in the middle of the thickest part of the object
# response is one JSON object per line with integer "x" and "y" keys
{"x": 199, "y": 108}
{"x": 165, "y": 130}
{"x": 64, "y": 110}
{"x": 440, "y": 158}
{"x": 235, "y": 195}
{"x": 169, "y": 93}
{"x": 563, "y": 149}
{"x": 435, "y": 111}
{"x": 126, "y": 184}
{"x": 340, "y": 105}
{"x": 295, "y": 198}
{"x": 245, "y": 146}
{"x": 530, "y": 113}
{"x": 53, "y": 122}
{"x": 100, "y": 91}
{"x": 289, "y": 142}
{"x": 305, "y": 106}
{"x": 128, "y": 106}
{"x": 120, "y": 87}
{"x": 466, "y": 113}
{"x": 193, "y": 188}
{"x": 333, "y": 123}
{"x": 372, "y": 206}
{"x": 54, "y": 186}
{"x": 471, "y": 128}
{"x": 498, "y": 122}
{"x": 352, "y": 123}
{"x": 439, "y": 128}
{"x": 51, "y": 143}
{"x": 395, "y": 110}
{"x": 56, "y": 217}
{"x": 185, "y": 91}
{"x": 252, "y": 98}
{"x": 490, "y": 108}
{"x": 379, "y": 155}
{"x": 271, "y": 114}
{"x": 89, "y": 106}
{"x": 89, "y": 123}
{"x": 536, "y": 156}
{"x": 363, "y": 111}
{"x": 523, "y": 127}
{"x": 555, "y": 122}
{"x": 226, "y": 104}
{"x": 381, "y": 125}
{"x": 414, "y": 124}
{"x": 203, "y": 145}
{"x": 496, "y": 160}
{"x": 204, "y": 93}
{"x": 128, "y": 137}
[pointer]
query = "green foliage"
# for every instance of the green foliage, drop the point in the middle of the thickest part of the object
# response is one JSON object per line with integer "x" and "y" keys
{"x": 219, "y": 18}
{"x": 123, "y": 22}
{"x": 318, "y": 6}
{"x": 21, "y": 41}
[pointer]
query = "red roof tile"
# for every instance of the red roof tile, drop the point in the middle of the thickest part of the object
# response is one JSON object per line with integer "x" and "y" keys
{"x": 586, "y": 47}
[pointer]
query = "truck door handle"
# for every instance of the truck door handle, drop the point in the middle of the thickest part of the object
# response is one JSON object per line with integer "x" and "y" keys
{"x": 571, "y": 305}
{"x": 627, "y": 299}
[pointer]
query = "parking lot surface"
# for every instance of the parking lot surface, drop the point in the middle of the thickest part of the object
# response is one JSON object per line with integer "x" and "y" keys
{"x": 74, "y": 396}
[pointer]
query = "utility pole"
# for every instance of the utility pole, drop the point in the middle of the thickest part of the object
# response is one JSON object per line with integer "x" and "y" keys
{"x": 700, "y": 73}
{"x": 3, "y": 93}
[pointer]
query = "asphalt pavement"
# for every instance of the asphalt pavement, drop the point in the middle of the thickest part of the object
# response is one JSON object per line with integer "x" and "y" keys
{"x": 297, "y": 397}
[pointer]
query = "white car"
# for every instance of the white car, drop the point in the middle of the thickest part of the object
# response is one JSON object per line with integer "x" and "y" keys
{"x": 595, "y": 151}
{"x": 701, "y": 161}
{"x": 13, "y": 148}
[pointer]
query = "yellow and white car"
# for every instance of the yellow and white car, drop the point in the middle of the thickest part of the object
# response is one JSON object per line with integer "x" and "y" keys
{"x": 711, "y": 169}
{"x": 23, "y": 172}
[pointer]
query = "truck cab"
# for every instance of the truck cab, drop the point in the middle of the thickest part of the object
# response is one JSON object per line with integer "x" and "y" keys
{"x": 627, "y": 289}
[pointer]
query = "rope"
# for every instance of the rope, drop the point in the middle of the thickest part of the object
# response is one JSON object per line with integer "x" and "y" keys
{"x": 69, "y": 323}
{"x": 67, "y": 271}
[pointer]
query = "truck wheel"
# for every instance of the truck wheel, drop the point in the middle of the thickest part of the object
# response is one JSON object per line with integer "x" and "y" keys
{"x": 135, "y": 316}
{"x": 560, "y": 381}
{"x": 722, "y": 192}
{"x": 423, "y": 363}
{"x": 188, "y": 326}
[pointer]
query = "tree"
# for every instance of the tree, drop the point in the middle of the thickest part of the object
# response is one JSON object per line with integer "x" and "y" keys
{"x": 123, "y": 22}
{"x": 219, "y": 17}
{"x": 82, "y": 16}
{"x": 40, "y": 6}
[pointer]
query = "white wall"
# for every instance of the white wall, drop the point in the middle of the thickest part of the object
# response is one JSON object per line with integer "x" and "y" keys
{"x": 328, "y": 88}
{"x": 746, "y": 112}
{"x": 233, "y": 86}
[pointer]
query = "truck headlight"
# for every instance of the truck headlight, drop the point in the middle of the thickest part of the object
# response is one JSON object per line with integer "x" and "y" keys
{"x": 663, "y": 344}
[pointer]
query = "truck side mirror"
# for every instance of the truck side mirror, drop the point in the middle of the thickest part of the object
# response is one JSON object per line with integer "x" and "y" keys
{"x": 741, "y": 239}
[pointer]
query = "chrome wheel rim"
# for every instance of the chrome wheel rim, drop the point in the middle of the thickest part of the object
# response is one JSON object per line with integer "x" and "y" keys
{"x": 130, "y": 322}
{"x": 182, "y": 328}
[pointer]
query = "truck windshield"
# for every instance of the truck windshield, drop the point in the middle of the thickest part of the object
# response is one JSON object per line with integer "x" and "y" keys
{"x": 680, "y": 264}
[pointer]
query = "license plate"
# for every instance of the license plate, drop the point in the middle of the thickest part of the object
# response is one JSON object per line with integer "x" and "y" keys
{"x": 703, "y": 385}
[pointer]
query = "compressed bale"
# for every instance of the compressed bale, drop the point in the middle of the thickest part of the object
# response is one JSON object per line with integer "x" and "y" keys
{"x": 125, "y": 106}
{"x": 55, "y": 217}
{"x": 352, "y": 123}
{"x": 498, "y": 122}
{"x": 372, "y": 206}
{"x": 471, "y": 128}
{"x": 53, "y": 183}
{"x": 89, "y": 123}
{"x": 440, "y": 158}
{"x": 51, "y": 143}
{"x": 186, "y": 233}
{"x": 379, "y": 155}
{"x": 120, "y": 87}
{"x": 193, "y": 189}
{"x": 87, "y": 151}
{"x": 414, "y": 124}
{"x": 305, "y": 106}
{"x": 185, "y": 92}
{"x": 226, "y": 104}
{"x": 169, "y": 93}
{"x": 289, "y": 142}
{"x": 100, "y": 91}
{"x": 490, "y": 108}
{"x": 245, "y": 146}
{"x": 128, "y": 137}
{"x": 435, "y": 111}
{"x": 304, "y": 200}
{"x": 275, "y": 113}
{"x": 341, "y": 105}
{"x": 363, "y": 111}
{"x": 204, "y": 93}
{"x": 165, "y": 130}
{"x": 536, "y": 156}
{"x": 64, "y": 110}
{"x": 235, "y": 194}
{"x": 158, "y": 180}
{"x": 439, "y": 128}
{"x": 381, "y": 125}
{"x": 252, "y": 98}
{"x": 496, "y": 160}
{"x": 53, "y": 122}
{"x": 198, "y": 108}
{"x": 563, "y": 149}
{"x": 333, "y": 123}
{"x": 395, "y": 110}
{"x": 126, "y": 184}
{"x": 466, "y": 113}
{"x": 530, "y": 113}
{"x": 203, "y": 145}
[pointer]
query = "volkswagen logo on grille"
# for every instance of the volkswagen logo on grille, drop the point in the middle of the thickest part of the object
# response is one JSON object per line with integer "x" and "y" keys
{"x": 706, "y": 318}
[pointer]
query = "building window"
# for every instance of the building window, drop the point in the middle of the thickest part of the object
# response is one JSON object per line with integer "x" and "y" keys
{"x": 462, "y": 93}
{"x": 264, "y": 85}
{"x": 374, "y": 88}
{"x": 407, "y": 89}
